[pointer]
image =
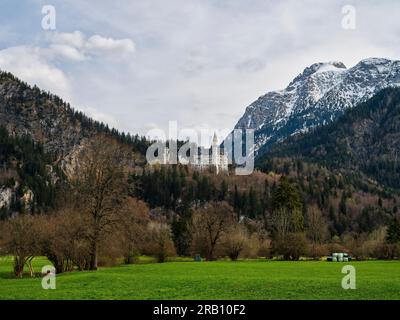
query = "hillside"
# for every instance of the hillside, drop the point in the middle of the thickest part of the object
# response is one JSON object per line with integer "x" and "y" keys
{"x": 28, "y": 178}
{"x": 47, "y": 119}
{"x": 39, "y": 137}
{"x": 365, "y": 139}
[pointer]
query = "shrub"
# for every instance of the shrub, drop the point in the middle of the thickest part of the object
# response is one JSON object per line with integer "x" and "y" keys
{"x": 20, "y": 240}
{"x": 336, "y": 247}
{"x": 292, "y": 247}
{"x": 235, "y": 241}
{"x": 264, "y": 248}
{"x": 317, "y": 251}
{"x": 387, "y": 251}
{"x": 160, "y": 242}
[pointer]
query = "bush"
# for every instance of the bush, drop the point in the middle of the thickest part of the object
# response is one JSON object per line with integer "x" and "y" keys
{"x": 20, "y": 240}
{"x": 160, "y": 242}
{"x": 264, "y": 248}
{"x": 63, "y": 240}
{"x": 363, "y": 249}
{"x": 317, "y": 251}
{"x": 387, "y": 251}
{"x": 336, "y": 247}
{"x": 292, "y": 247}
{"x": 235, "y": 241}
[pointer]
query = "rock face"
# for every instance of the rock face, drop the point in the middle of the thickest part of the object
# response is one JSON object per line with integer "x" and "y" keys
{"x": 317, "y": 96}
{"x": 27, "y": 200}
{"x": 6, "y": 195}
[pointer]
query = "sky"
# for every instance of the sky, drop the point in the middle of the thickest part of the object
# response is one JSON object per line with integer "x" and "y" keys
{"x": 138, "y": 64}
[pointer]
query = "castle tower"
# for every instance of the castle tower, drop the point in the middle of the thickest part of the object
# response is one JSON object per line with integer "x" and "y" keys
{"x": 215, "y": 153}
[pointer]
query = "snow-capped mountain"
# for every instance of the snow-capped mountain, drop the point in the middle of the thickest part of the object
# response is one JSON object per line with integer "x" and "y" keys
{"x": 317, "y": 96}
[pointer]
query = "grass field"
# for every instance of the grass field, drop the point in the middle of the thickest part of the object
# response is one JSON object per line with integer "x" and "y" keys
{"x": 211, "y": 280}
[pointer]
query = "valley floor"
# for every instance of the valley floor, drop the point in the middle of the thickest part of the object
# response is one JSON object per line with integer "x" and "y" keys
{"x": 248, "y": 280}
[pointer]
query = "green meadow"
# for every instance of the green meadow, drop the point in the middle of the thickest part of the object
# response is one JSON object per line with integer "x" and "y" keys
{"x": 248, "y": 280}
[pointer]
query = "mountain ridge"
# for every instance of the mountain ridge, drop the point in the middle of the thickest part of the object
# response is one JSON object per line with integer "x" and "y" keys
{"x": 364, "y": 139}
{"x": 47, "y": 119}
{"x": 321, "y": 93}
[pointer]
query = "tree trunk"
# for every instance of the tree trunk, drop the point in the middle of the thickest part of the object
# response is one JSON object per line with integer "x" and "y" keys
{"x": 234, "y": 256}
{"x": 210, "y": 254}
{"x": 30, "y": 268}
{"x": 60, "y": 267}
{"x": 93, "y": 256}
{"x": 58, "y": 263}
{"x": 129, "y": 258}
{"x": 19, "y": 263}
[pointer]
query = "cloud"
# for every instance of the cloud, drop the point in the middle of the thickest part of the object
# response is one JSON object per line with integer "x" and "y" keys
{"x": 28, "y": 63}
{"x": 39, "y": 64}
{"x": 74, "y": 39}
{"x": 43, "y": 65}
{"x": 75, "y": 46}
{"x": 65, "y": 52}
{"x": 198, "y": 62}
{"x": 100, "y": 45}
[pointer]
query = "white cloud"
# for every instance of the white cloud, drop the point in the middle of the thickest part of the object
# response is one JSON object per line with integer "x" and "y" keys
{"x": 65, "y": 52}
{"x": 199, "y": 61}
{"x": 42, "y": 65}
{"x": 27, "y": 63}
{"x": 99, "y": 45}
{"x": 76, "y": 46}
{"x": 74, "y": 39}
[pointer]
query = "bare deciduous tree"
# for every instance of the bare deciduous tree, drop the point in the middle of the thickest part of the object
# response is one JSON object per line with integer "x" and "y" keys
{"x": 63, "y": 239}
{"x": 99, "y": 183}
{"x": 208, "y": 225}
{"x": 317, "y": 228}
{"x": 21, "y": 241}
{"x": 281, "y": 221}
{"x": 133, "y": 220}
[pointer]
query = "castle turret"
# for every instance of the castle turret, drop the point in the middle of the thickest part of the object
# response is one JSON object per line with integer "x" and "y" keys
{"x": 215, "y": 153}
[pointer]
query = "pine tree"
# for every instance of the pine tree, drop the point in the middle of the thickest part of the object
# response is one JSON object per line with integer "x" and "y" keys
{"x": 223, "y": 191}
{"x": 393, "y": 232}
{"x": 286, "y": 195}
{"x": 343, "y": 205}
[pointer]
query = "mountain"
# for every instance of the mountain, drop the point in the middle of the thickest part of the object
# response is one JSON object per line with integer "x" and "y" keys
{"x": 40, "y": 135}
{"x": 317, "y": 96}
{"x": 365, "y": 139}
{"x": 48, "y": 120}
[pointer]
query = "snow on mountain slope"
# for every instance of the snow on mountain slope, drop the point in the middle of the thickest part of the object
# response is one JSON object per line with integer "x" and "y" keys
{"x": 317, "y": 96}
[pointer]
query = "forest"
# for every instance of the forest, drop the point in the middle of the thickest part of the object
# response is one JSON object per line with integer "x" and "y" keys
{"x": 111, "y": 212}
{"x": 334, "y": 189}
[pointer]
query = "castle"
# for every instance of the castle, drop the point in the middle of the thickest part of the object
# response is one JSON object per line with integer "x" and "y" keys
{"x": 204, "y": 159}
